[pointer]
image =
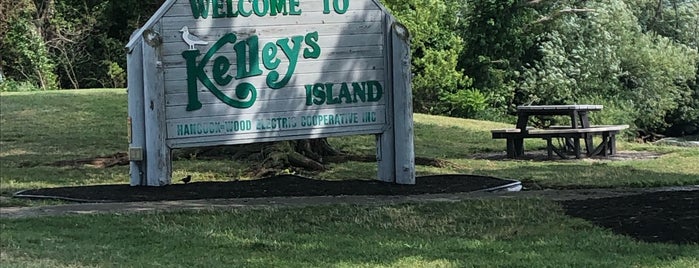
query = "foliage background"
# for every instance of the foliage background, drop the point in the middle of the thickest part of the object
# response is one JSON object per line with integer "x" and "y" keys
{"x": 471, "y": 58}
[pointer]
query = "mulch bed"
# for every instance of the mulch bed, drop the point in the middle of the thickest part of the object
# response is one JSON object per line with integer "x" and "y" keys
{"x": 671, "y": 217}
{"x": 668, "y": 217}
{"x": 278, "y": 186}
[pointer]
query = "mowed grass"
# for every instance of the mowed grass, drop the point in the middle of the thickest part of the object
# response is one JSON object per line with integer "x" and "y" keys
{"x": 41, "y": 128}
{"x": 38, "y": 129}
{"x": 493, "y": 233}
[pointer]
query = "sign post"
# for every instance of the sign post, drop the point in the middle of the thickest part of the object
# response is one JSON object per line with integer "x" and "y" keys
{"x": 215, "y": 72}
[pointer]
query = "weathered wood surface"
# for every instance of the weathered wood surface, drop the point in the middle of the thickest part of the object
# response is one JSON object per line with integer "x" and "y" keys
{"x": 403, "y": 103}
{"x": 353, "y": 49}
{"x": 158, "y": 154}
{"x": 576, "y": 107}
{"x": 192, "y": 69}
{"x": 606, "y": 147}
{"x": 136, "y": 123}
{"x": 535, "y": 133}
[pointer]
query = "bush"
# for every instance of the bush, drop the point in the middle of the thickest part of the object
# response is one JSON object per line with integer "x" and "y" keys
{"x": 14, "y": 86}
{"x": 469, "y": 103}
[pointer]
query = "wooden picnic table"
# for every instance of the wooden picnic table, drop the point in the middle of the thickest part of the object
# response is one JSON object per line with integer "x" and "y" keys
{"x": 579, "y": 128}
{"x": 576, "y": 112}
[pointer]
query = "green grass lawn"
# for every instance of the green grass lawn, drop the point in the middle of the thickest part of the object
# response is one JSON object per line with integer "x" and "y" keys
{"x": 494, "y": 233}
{"x": 40, "y": 128}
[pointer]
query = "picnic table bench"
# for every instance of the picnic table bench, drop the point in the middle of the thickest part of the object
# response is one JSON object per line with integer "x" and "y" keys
{"x": 580, "y": 128}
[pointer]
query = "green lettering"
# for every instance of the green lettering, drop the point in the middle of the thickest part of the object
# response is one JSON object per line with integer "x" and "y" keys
{"x": 345, "y": 94}
{"x": 309, "y": 95}
{"x": 256, "y": 7}
{"x": 359, "y": 92}
{"x": 312, "y": 41}
{"x": 217, "y": 8}
{"x": 278, "y": 7}
{"x": 229, "y": 8}
{"x": 200, "y": 8}
{"x": 250, "y": 45}
{"x": 196, "y": 73}
{"x": 193, "y": 75}
{"x": 326, "y": 6}
{"x": 293, "y": 5}
{"x": 292, "y": 53}
{"x": 374, "y": 96}
{"x": 319, "y": 93}
{"x": 343, "y": 9}
{"x": 241, "y": 9}
{"x": 329, "y": 92}
{"x": 269, "y": 56}
{"x": 221, "y": 68}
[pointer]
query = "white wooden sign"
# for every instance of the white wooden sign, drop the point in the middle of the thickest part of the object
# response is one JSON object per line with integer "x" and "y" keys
{"x": 219, "y": 72}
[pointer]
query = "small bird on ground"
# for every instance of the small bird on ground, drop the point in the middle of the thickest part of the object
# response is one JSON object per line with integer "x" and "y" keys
{"x": 187, "y": 179}
{"x": 190, "y": 39}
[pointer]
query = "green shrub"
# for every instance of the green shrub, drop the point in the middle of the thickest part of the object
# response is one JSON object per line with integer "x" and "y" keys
{"x": 469, "y": 103}
{"x": 14, "y": 86}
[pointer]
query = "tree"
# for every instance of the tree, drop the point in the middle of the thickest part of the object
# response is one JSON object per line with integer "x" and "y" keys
{"x": 499, "y": 42}
{"x": 25, "y": 56}
{"x": 605, "y": 53}
{"x": 439, "y": 85}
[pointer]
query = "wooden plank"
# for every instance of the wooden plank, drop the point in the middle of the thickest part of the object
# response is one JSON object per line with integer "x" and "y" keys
{"x": 341, "y": 52}
{"x": 355, "y": 43}
{"x": 509, "y": 130}
{"x": 179, "y": 84}
{"x": 560, "y": 107}
{"x": 159, "y": 164}
{"x": 278, "y": 105}
{"x": 309, "y": 67}
{"x": 403, "y": 105}
{"x": 272, "y": 33}
{"x": 269, "y": 138}
{"x": 578, "y": 130}
{"x": 137, "y": 137}
{"x": 183, "y": 9}
{"x": 152, "y": 21}
{"x": 277, "y": 122}
{"x": 536, "y": 133}
{"x": 385, "y": 145}
{"x": 306, "y": 18}
{"x": 295, "y": 94}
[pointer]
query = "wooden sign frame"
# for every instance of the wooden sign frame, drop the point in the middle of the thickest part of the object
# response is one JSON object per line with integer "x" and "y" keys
{"x": 182, "y": 91}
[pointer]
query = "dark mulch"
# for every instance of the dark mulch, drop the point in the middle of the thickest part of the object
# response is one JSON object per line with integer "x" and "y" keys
{"x": 278, "y": 186}
{"x": 671, "y": 217}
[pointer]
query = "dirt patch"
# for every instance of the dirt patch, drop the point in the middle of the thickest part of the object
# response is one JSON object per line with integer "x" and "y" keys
{"x": 117, "y": 159}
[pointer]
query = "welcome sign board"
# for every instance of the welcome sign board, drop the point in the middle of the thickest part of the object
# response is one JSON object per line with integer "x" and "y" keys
{"x": 217, "y": 72}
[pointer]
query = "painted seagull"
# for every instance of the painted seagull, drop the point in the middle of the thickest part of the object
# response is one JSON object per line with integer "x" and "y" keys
{"x": 190, "y": 39}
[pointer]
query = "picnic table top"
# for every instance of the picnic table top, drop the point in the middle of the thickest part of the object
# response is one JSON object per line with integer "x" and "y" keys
{"x": 571, "y": 107}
